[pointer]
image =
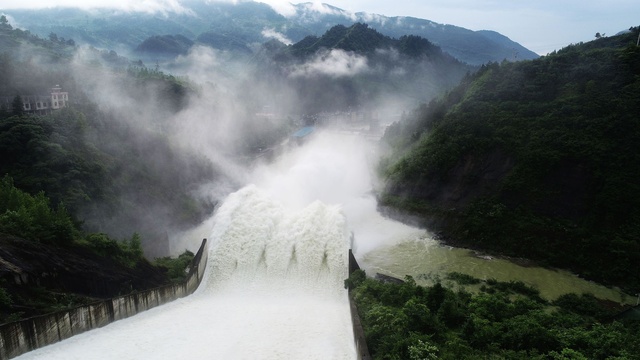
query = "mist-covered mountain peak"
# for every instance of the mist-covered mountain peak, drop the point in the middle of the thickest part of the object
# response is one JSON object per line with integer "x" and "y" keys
{"x": 238, "y": 26}
{"x": 309, "y": 9}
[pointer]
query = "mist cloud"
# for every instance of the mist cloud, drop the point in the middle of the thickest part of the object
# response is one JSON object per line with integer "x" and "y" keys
{"x": 335, "y": 63}
{"x": 374, "y": 18}
{"x": 271, "y": 33}
{"x": 144, "y": 6}
{"x": 284, "y": 8}
{"x": 227, "y": 106}
{"x": 313, "y": 12}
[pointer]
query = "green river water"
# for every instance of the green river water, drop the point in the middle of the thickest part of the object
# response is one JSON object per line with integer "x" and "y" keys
{"x": 424, "y": 258}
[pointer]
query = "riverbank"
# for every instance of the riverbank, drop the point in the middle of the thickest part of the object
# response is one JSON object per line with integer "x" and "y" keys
{"x": 425, "y": 255}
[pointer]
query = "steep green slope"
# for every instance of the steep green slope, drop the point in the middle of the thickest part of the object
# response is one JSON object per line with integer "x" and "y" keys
{"x": 536, "y": 159}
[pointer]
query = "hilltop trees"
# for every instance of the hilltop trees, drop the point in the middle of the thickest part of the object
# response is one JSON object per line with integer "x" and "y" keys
{"x": 4, "y": 23}
{"x": 17, "y": 108}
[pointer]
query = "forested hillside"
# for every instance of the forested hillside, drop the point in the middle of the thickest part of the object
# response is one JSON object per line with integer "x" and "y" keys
{"x": 88, "y": 195}
{"x": 535, "y": 159}
{"x": 114, "y": 174}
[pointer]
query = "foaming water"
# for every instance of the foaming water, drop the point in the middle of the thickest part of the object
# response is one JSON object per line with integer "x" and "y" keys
{"x": 274, "y": 289}
{"x": 257, "y": 244}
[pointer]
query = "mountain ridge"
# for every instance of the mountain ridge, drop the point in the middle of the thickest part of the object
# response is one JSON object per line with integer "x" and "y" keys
{"x": 247, "y": 23}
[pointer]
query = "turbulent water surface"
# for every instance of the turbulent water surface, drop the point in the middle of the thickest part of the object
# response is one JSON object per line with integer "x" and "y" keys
{"x": 274, "y": 289}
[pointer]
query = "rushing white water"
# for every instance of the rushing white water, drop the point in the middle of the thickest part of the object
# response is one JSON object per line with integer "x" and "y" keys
{"x": 273, "y": 290}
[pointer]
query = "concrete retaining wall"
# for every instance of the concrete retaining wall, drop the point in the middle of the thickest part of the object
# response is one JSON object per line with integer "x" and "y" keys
{"x": 29, "y": 334}
{"x": 358, "y": 332}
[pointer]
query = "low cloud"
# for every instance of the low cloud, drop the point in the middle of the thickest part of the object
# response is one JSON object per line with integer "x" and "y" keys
{"x": 335, "y": 63}
{"x": 317, "y": 6}
{"x": 163, "y": 7}
{"x": 283, "y": 8}
{"x": 157, "y": 6}
{"x": 373, "y": 18}
{"x": 271, "y": 33}
{"x": 314, "y": 11}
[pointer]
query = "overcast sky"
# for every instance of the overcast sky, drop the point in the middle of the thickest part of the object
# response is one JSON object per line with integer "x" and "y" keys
{"x": 539, "y": 25}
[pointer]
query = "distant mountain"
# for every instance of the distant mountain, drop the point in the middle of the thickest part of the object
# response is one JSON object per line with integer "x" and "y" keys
{"x": 359, "y": 38}
{"x": 363, "y": 39}
{"x": 239, "y": 26}
{"x": 166, "y": 44}
{"x": 350, "y": 68}
{"x": 472, "y": 47}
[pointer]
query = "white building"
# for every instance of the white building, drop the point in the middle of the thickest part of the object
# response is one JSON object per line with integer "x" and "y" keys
{"x": 41, "y": 104}
{"x": 59, "y": 98}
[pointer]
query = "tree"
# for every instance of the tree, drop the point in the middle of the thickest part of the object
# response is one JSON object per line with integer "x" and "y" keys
{"x": 4, "y": 23}
{"x": 17, "y": 106}
{"x": 4, "y": 112}
{"x": 423, "y": 350}
{"x": 53, "y": 37}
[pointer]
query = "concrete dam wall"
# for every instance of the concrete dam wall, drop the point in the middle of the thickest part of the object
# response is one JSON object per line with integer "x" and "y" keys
{"x": 30, "y": 334}
{"x": 22, "y": 336}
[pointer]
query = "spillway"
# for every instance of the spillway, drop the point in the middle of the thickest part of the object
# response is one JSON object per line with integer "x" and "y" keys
{"x": 273, "y": 290}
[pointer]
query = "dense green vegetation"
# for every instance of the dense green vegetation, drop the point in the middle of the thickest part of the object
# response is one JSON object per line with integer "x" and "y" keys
{"x": 176, "y": 267}
{"x": 51, "y": 154}
{"x": 501, "y": 321}
{"x": 105, "y": 168}
{"x": 75, "y": 181}
{"x": 32, "y": 217}
{"x": 54, "y": 154}
{"x": 535, "y": 159}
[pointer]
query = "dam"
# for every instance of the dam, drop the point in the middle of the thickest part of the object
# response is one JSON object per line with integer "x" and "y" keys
{"x": 273, "y": 288}
{"x": 271, "y": 285}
